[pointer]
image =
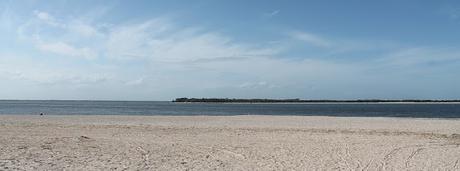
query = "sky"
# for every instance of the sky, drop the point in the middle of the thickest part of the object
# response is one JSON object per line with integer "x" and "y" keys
{"x": 165, "y": 49}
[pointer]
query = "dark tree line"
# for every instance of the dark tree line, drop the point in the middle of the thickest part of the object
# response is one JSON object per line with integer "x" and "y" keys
{"x": 228, "y": 100}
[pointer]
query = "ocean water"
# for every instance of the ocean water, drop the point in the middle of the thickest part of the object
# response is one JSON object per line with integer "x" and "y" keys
{"x": 67, "y": 107}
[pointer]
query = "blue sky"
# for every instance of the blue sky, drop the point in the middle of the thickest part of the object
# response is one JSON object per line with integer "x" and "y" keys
{"x": 160, "y": 50}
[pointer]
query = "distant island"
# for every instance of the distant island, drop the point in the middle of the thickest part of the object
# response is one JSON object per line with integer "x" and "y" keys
{"x": 229, "y": 100}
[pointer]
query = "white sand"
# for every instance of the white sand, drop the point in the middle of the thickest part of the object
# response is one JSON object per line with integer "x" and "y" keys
{"x": 227, "y": 143}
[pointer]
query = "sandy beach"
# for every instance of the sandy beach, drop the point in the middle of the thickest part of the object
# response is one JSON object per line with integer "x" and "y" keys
{"x": 227, "y": 143}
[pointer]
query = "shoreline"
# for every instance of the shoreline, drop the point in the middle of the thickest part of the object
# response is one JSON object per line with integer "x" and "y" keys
{"x": 297, "y": 100}
{"x": 236, "y": 115}
{"x": 444, "y": 125}
{"x": 350, "y": 102}
{"x": 317, "y": 102}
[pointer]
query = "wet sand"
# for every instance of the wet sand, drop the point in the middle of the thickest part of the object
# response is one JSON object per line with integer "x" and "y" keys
{"x": 227, "y": 143}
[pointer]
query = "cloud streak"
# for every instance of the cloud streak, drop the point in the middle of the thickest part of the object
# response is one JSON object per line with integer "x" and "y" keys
{"x": 310, "y": 38}
{"x": 64, "y": 49}
{"x": 272, "y": 13}
{"x": 159, "y": 40}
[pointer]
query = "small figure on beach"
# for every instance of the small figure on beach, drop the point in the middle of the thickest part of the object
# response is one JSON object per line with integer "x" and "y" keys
{"x": 41, "y": 114}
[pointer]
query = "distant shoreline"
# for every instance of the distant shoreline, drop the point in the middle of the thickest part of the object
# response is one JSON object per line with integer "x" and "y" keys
{"x": 299, "y": 101}
{"x": 319, "y": 103}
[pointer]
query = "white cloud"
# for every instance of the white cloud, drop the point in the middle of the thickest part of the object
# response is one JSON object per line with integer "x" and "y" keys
{"x": 47, "y": 18}
{"x": 43, "y": 16}
{"x": 421, "y": 56}
{"x": 341, "y": 46}
{"x": 310, "y": 38}
{"x": 272, "y": 13}
{"x": 83, "y": 29}
{"x": 35, "y": 71}
{"x": 451, "y": 11}
{"x": 61, "y": 48}
{"x": 138, "y": 81}
{"x": 156, "y": 40}
{"x": 134, "y": 40}
{"x": 5, "y": 19}
{"x": 61, "y": 36}
{"x": 161, "y": 41}
{"x": 256, "y": 85}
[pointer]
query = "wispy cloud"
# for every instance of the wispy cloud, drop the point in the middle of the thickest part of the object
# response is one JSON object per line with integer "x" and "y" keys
{"x": 63, "y": 49}
{"x": 47, "y": 18}
{"x": 310, "y": 38}
{"x": 44, "y": 16}
{"x": 160, "y": 40}
{"x": 135, "y": 82}
{"x": 5, "y": 18}
{"x": 422, "y": 57}
{"x": 451, "y": 11}
{"x": 256, "y": 85}
{"x": 61, "y": 36}
{"x": 272, "y": 13}
{"x": 83, "y": 29}
{"x": 35, "y": 71}
{"x": 335, "y": 46}
{"x": 72, "y": 25}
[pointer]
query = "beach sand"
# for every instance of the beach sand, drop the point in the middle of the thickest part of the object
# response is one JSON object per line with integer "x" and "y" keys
{"x": 227, "y": 143}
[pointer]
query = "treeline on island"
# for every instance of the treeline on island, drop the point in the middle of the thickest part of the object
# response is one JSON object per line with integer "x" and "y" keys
{"x": 229, "y": 100}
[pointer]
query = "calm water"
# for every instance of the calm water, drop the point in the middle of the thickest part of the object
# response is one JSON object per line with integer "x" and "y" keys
{"x": 169, "y": 108}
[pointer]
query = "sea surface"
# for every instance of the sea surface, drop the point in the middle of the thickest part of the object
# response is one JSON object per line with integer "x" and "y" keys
{"x": 68, "y": 107}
